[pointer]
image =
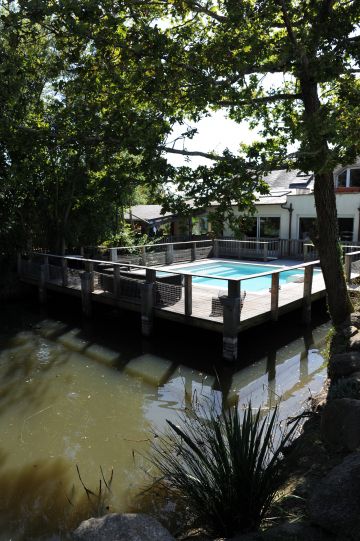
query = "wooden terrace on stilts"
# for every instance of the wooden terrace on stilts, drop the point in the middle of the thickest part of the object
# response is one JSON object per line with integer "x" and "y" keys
{"x": 137, "y": 281}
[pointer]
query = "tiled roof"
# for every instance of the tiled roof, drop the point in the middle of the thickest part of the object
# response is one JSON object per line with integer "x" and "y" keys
{"x": 271, "y": 200}
{"x": 146, "y": 213}
{"x": 283, "y": 179}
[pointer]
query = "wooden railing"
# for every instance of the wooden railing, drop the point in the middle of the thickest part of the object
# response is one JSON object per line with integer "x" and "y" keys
{"x": 350, "y": 258}
{"x": 311, "y": 253}
{"x": 167, "y": 253}
{"x": 250, "y": 248}
{"x": 150, "y": 288}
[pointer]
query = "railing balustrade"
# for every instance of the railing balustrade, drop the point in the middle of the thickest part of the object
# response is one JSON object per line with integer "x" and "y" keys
{"x": 147, "y": 289}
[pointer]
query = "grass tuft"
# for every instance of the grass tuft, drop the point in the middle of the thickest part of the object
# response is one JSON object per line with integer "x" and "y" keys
{"x": 225, "y": 467}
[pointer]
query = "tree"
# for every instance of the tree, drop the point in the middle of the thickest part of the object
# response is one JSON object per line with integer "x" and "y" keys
{"x": 311, "y": 51}
{"x": 77, "y": 127}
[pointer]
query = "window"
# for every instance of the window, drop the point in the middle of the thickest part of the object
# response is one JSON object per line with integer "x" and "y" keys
{"x": 349, "y": 178}
{"x": 251, "y": 227}
{"x": 307, "y": 228}
{"x": 355, "y": 177}
{"x": 269, "y": 227}
{"x": 346, "y": 226}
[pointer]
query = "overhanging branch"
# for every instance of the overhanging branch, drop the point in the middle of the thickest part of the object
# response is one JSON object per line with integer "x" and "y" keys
{"x": 262, "y": 99}
{"x": 184, "y": 152}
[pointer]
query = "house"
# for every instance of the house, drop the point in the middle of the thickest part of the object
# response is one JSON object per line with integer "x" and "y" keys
{"x": 149, "y": 219}
{"x": 288, "y": 212}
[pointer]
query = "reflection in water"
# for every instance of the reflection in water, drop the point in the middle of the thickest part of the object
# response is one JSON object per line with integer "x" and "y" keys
{"x": 72, "y": 395}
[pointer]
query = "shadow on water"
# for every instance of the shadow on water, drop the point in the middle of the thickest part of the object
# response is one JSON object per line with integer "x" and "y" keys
{"x": 39, "y": 500}
{"x": 34, "y": 496}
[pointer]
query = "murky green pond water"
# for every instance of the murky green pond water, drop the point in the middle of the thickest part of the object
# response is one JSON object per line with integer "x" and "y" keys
{"x": 89, "y": 395}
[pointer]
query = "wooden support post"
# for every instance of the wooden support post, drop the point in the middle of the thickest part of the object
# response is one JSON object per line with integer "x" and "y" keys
{"x": 82, "y": 251}
{"x": 216, "y": 248}
{"x": 86, "y": 293}
{"x": 64, "y": 272}
{"x": 188, "y": 294}
{"x": 308, "y": 278}
{"x": 42, "y": 284}
{"x": 46, "y": 267}
{"x": 147, "y": 303}
{"x": 169, "y": 256}
{"x": 143, "y": 255}
{"x": 306, "y": 247}
{"x": 266, "y": 248}
{"x": 113, "y": 254}
{"x": 275, "y": 296}
{"x": 348, "y": 259}
{"x": 193, "y": 251}
{"x": 19, "y": 261}
{"x": 231, "y": 307}
{"x": 116, "y": 281}
{"x": 89, "y": 267}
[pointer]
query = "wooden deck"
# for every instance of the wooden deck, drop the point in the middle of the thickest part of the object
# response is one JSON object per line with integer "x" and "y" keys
{"x": 256, "y": 308}
{"x": 88, "y": 280}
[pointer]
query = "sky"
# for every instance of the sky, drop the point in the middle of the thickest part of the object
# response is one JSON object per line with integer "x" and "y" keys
{"x": 215, "y": 133}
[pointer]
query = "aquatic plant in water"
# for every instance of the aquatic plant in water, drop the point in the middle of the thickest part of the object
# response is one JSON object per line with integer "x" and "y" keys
{"x": 225, "y": 467}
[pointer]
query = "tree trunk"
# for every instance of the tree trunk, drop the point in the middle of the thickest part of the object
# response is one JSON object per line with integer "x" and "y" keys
{"x": 329, "y": 249}
{"x": 328, "y": 246}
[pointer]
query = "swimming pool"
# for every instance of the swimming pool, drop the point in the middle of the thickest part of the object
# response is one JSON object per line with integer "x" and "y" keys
{"x": 229, "y": 269}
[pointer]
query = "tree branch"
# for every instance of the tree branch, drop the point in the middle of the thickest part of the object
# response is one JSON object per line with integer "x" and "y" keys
{"x": 184, "y": 152}
{"x": 198, "y": 8}
{"x": 262, "y": 99}
{"x": 288, "y": 23}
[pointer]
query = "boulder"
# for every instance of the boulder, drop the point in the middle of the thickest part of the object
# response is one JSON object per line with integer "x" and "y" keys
{"x": 335, "y": 502}
{"x": 355, "y": 319}
{"x": 340, "y": 423}
{"x": 121, "y": 527}
{"x": 354, "y": 342}
{"x": 344, "y": 364}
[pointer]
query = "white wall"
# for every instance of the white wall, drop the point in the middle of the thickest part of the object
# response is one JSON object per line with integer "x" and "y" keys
{"x": 304, "y": 207}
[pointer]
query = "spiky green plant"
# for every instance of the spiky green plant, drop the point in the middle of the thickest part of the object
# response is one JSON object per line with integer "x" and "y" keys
{"x": 224, "y": 466}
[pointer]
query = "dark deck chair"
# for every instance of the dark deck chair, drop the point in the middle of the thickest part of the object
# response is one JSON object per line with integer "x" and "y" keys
{"x": 217, "y": 308}
{"x": 167, "y": 294}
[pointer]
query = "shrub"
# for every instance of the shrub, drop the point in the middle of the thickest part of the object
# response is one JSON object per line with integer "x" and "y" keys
{"x": 224, "y": 466}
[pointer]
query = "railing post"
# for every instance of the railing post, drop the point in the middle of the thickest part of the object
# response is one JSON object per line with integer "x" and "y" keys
{"x": 82, "y": 251}
{"x": 266, "y": 249}
{"x": 169, "y": 257}
{"x": 42, "y": 284}
{"x": 306, "y": 247}
{"x": 113, "y": 254}
{"x": 348, "y": 259}
{"x": 193, "y": 251}
{"x": 231, "y": 310}
{"x": 85, "y": 278}
{"x": 308, "y": 278}
{"x": 275, "y": 296}
{"x": 116, "y": 281}
{"x": 64, "y": 272}
{"x": 188, "y": 294}
{"x": 89, "y": 267}
{"x": 143, "y": 255}
{"x": 216, "y": 248}
{"x": 46, "y": 267}
{"x": 18, "y": 263}
{"x": 147, "y": 303}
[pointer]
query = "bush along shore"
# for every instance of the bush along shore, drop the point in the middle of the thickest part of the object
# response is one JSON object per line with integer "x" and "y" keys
{"x": 318, "y": 496}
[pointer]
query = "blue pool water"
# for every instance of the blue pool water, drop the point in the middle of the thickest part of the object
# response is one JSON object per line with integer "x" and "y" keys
{"x": 227, "y": 269}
